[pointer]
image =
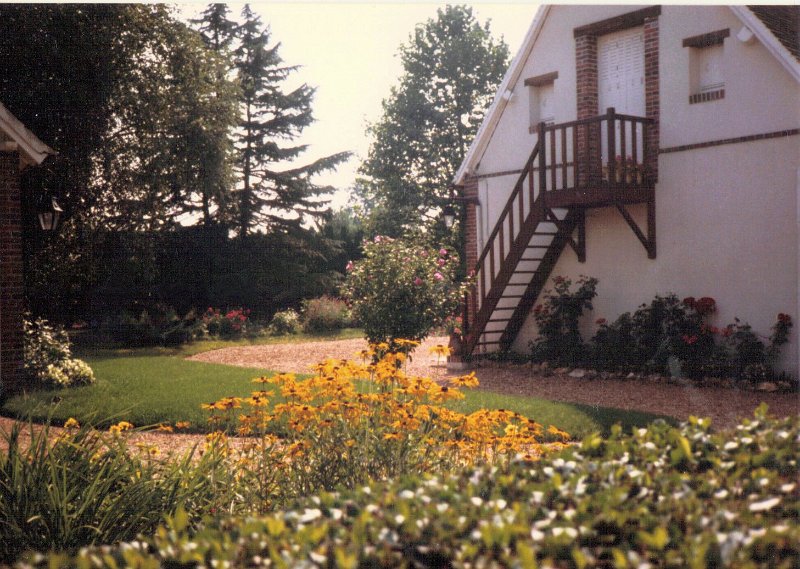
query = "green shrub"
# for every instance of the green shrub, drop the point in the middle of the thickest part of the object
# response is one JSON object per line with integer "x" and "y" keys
{"x": 285, "y": 322}
{"x": 557, "y": 319}
{"x": 86, "y": 487}
{"x": 657, "y": 497}
{"x": 325, "y": 314}
{"x": 159, "y": 326}
{"x": 402, "y": 290}
{"x": 48, "y": 358}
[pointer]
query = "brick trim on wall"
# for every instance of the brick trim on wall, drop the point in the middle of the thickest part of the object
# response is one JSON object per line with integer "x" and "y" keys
{"x": 618, "y": 23}
{"x": 707, "y": 96}
{"x": 540, "y": 80}
{"x": 586, "y": 81}
{"x": 707, "y": 40}
{"x": 737, "y": 140}
{"x": 11, "y": 275}
{"x": 470, "y": 190}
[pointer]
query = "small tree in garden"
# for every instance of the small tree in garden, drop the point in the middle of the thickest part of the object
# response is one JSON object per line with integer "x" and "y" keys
{"x": 402, "y": 290}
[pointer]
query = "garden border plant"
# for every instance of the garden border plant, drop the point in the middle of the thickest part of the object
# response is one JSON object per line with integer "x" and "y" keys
{"x": 667, "y": 336}
{"x": 656, "y": 497}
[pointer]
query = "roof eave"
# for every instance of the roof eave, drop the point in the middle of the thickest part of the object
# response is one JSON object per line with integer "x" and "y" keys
{"x": 32, "y": 150}
{"x": 495, "y": 111}
{"x": 768, "y": 40}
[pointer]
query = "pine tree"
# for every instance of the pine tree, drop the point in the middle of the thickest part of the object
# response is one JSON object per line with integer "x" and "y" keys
{"x": 272, "y": 194}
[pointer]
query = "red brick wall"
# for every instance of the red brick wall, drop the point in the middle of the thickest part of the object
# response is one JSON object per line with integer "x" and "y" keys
{"x": 11, "y": 274}
{"x": 471, "y": 224}
{"x": 652, "y": 94}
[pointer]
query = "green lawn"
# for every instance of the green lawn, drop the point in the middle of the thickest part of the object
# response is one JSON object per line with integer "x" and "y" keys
{"x": 148, "y": 386}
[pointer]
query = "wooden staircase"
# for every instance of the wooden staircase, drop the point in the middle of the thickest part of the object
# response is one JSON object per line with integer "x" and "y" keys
{"x": 573, "y": 167}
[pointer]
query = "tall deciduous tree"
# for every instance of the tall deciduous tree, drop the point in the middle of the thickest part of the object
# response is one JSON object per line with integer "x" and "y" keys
{"x": 452, "y": 67}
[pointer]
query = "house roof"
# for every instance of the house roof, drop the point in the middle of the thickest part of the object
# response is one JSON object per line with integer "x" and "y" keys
{"x": 14, "y": 135}
{"x": 776, "y": 27}
{"x": 784, "y": 23}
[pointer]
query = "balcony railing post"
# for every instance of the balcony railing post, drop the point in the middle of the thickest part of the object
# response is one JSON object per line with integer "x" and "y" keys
{"x": 542, "y": 162}
{"x": 612, "y": 146}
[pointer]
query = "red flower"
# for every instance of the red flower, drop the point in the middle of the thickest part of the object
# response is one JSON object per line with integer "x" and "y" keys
{"x": 689, "y": 340}
{"x": 559, "y": 279}
{"x": 727, "y": 331}
{"x": 600, "y": 321}
{"x": 784, "y": 318}
{"x": 705, "y": 305}
{"x": 689, "y": 301}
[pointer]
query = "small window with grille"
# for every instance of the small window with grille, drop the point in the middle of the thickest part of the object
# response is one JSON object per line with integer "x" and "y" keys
{"x": 542, "y": 99}
{"x": 707, "y": 66}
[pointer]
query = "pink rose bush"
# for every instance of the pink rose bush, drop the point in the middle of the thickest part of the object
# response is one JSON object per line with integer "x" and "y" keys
{"x": 401, "y": 289}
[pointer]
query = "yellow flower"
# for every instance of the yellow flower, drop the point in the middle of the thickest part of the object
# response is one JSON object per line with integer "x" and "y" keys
{"x": 153, "y": 451}
{"x": 440, "y": 350}
{"x": 162, "y": 428}
{"x": 182, "y": 425}
{"x": 120, "y": 427}
{"x": 391, "y": 437}
{"x": 72, "y": 424}
{"x": 465, "y": 380}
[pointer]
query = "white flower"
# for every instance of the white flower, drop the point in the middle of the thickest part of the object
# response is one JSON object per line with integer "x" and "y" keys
{"x": 786, "y": 488}
{"x": 441, "y": 508}
{"x": 764, "y": 505}
{"x": 399, "y": 519}
{"x": 406, "y": 494}
{"x": 721, "y": 494}
{"x": 309, "y": 515}
{"x": 476, "y": 501}
{"x": 730, "y": 445}
{"x": 536, "y": 535}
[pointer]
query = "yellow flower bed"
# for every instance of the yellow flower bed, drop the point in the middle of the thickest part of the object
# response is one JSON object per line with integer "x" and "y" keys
{"x": 351, "y": 422}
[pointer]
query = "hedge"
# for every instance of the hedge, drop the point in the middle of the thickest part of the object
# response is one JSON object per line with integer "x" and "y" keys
{"x": 658, "y": 497}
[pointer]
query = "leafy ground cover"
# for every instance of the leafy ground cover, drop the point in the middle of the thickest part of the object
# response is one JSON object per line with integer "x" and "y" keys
{"x": 656, "y": 497}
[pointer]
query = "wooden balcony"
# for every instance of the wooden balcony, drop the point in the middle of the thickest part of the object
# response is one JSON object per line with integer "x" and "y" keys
{"x": 596, "y": 162}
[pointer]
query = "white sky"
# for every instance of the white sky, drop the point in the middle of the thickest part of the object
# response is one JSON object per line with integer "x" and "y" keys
{"x": 348, "y": 51}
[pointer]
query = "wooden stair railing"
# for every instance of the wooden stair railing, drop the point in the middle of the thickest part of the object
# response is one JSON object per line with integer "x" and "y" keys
{"x": 604, "y": 160}
{"x": 520, "y": 215}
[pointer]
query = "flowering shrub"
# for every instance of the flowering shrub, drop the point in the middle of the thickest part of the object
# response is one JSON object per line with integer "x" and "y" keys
{"x": 657, "y": 497}
{"x": 285, "y": 322}
{"x": 332, "y": 433}
{"x": 673, "y": 336}
{"x": 325, "y": 314}
{"x": 402, "y": 290}
{"x": 557, "y": 319}
{"x": 229, "y": 325}
{"x": 48, "y": 358}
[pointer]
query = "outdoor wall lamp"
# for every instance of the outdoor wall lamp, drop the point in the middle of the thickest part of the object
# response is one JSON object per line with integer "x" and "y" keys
{"x": 49, "y": 213}
{"x": 449, "y": 212}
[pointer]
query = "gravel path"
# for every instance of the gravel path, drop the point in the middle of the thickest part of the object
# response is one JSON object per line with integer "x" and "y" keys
{"x": 724, "y": 406}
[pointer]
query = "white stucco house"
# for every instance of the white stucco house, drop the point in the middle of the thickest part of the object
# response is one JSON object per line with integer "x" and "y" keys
{"x": 656, "y": 148}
